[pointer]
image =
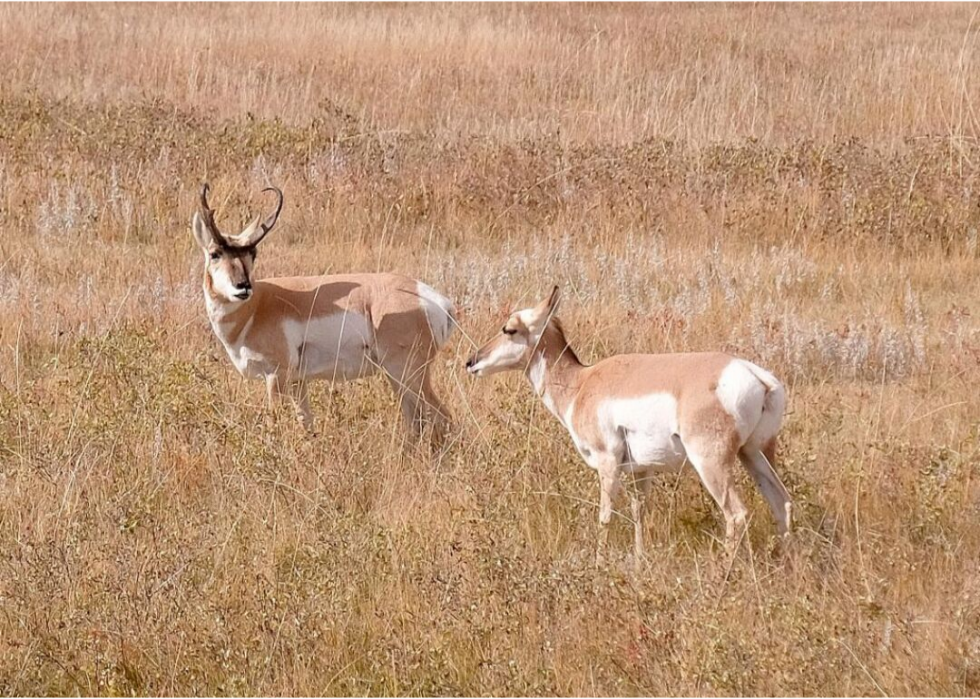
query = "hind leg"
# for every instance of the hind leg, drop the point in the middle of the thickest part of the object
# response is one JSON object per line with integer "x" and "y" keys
{"x": 714, "y": 467}
{"x": 434, "y": 412}
{"x": 758, "y": 462}
{"x": 420, "y": 406}
{"x": 411, "y": 404}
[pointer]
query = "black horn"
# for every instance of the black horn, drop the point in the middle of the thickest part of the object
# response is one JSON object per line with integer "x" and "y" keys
{"x": 271, "y": 221}
{"x": 258, "y": 229}
{"x": 207, "y": 213}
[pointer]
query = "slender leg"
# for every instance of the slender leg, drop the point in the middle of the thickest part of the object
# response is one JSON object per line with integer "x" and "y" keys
{"x": 273, "y": 389}
{"x": 420, "y": 405}
{"x": 405, "y": 387}
{"x": 301, "y": 398}
{"x": 435, "y": 413}
{"x": 759, "y": 466}
{"x": 273, "y": 393}
{"x": 609, "y": 485}
{"x": 411, "y": 412}
{"x": 714, "y": 466}
{"x": 639, "y": 495}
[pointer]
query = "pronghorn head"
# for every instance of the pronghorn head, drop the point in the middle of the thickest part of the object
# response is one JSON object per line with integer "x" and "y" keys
{"x": 513, "y": 347}
{"x": 228, "y": 260}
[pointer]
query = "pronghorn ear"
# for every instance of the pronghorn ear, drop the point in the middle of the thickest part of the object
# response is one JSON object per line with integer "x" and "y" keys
{"x": 554, "y": 300}
{"x": 256, "y": 230}
{"x": 201, "y": 233}
{"x": 249, "y": 233}
{"x": 539, "y": 316}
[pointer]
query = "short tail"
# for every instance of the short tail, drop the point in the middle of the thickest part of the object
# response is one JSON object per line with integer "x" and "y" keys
{"x": 773, "y": 406}
{"x": 775, "y": 392}
{"x": 440, "y": 313}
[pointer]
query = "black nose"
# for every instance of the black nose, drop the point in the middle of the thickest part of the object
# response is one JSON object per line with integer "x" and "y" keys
{"x": 469, "y": 362}
{"x": 244, "y": 285}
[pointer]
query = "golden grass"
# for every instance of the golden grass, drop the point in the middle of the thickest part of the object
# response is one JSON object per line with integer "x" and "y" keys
{"x": 794, "y": 184}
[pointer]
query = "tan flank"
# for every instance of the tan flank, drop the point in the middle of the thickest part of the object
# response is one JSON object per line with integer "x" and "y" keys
{"x": 291, "y": 330}
{"x": 638, "y": 414}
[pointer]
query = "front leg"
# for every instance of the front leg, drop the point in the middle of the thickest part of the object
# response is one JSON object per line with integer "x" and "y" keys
{"x": 609, "y": 485}
{"x": 273, "y": 390}
{"x": 642, "y": 484}
{"x": 301, "y": 398}
{"x": 273, "y": 393}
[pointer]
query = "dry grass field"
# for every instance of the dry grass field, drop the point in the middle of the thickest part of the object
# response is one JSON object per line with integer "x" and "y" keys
{"x": 796, "y": 184}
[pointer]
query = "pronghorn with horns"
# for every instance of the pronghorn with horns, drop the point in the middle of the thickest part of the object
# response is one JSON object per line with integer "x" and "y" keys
{"x": 340, "y": 327}
{"x": 638, "y": 414}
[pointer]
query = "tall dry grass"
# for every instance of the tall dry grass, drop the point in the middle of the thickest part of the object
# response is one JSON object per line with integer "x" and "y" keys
{"x": 593, "y": 75}
{"x": 797, "y": 184}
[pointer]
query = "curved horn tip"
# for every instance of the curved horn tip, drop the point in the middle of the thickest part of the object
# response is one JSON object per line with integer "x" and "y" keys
{"x": 274, "y": 216}
{"x": 279, "y": 195}
{"x": 205, "y": 190}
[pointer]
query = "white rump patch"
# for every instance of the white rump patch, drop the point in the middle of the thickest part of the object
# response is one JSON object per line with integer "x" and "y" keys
{"x": 774, "y": 406}
{"x": 742, "y": 395}
{"x": 334, "y": 347}
{"x": 439, "y": 312}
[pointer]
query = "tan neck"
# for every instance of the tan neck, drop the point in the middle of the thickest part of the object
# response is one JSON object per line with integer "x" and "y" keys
{"x": 555, "y": 371}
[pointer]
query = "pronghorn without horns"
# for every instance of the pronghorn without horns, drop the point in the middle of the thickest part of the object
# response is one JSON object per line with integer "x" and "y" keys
{"x": 639, "y": 414}
{"x": 291, "y": 330}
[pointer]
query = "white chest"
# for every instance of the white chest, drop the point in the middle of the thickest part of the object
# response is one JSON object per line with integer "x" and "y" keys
{"x": 250, "y": 364}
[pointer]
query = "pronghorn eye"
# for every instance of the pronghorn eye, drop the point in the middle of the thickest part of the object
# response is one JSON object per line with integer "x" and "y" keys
{"x": 510, "y": 331}
{"x": 215, "y": 255}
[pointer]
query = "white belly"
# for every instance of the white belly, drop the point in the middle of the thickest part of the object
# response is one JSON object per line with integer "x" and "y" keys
{"x": 644, "y": 432}
{"x": 334, "y": 347}
{"x": 654, "y": 450}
